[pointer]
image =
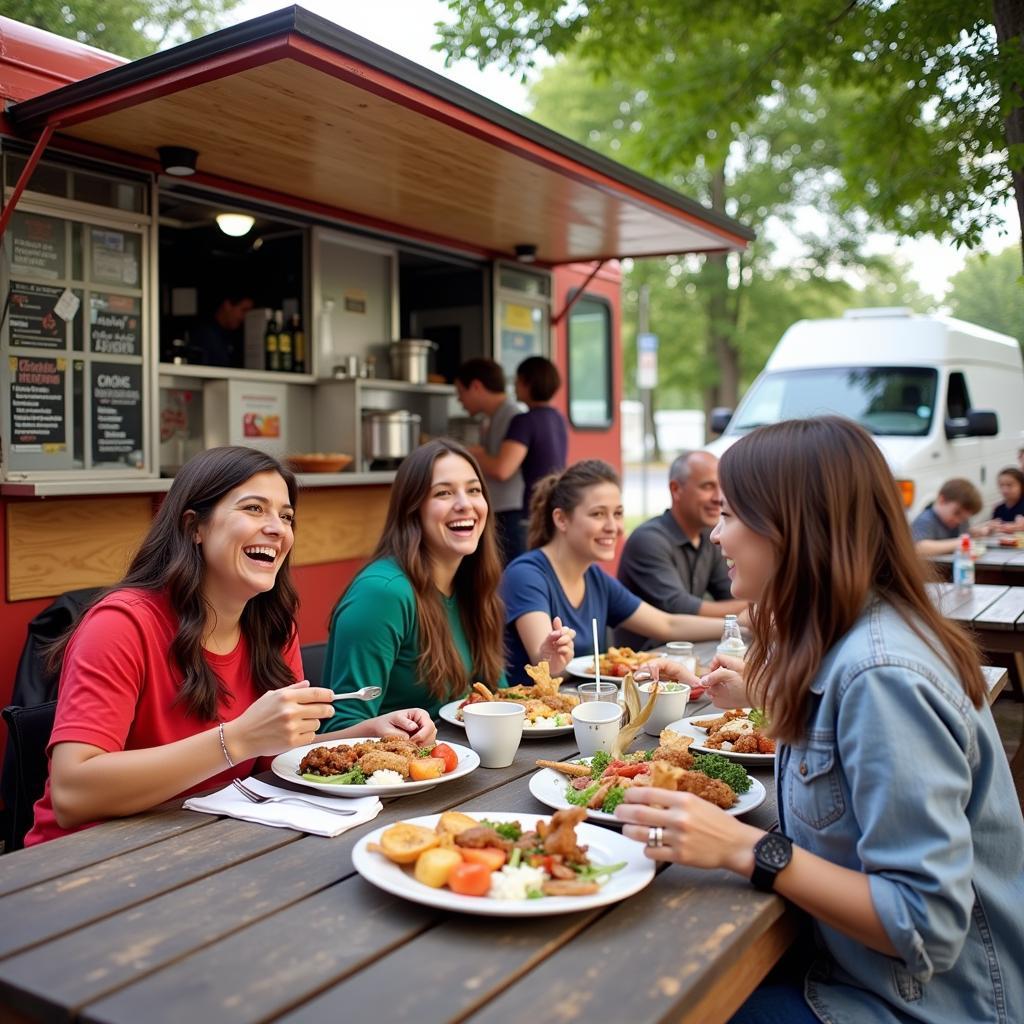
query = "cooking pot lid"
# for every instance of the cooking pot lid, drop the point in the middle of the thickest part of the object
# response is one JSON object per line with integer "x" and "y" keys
{"x": 414, "y": 343}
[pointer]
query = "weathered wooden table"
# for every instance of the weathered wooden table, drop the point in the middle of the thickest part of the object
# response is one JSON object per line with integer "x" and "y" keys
{"x": 179, "y": 916}
{"x": 998, "y": 566}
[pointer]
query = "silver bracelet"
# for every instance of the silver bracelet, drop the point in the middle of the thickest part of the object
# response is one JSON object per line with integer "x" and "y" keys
{"x": 224, "y": 746}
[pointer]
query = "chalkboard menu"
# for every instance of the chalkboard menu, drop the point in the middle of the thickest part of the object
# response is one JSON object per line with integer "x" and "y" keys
{"x": 38, "y": 245}
{"x": 115, "y": 324}
{"x": 38, "y": 404}
{"x": 33, "y": 322}
{"x": 116, "y": 413}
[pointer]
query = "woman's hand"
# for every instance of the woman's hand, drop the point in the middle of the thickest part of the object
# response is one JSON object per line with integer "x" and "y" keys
{"x": 557, "y": 648}
{"x": 413, "y": 723}
{"x": 668, "y": 670}
{"x": 695, "y": 832}
{"x": 278, "y": 720}
{"x": 725, "y": 685}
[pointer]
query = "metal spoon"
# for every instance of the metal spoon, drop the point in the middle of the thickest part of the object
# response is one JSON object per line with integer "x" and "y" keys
{"x": 366, "y": 693}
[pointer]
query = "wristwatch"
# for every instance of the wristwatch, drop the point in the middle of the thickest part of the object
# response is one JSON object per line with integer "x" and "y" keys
{"x": 771, "y": 854}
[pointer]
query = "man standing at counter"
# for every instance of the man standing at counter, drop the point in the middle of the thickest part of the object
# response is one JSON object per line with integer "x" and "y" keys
{"x": 480, "y": 387}
{"x": 218, "y": 340}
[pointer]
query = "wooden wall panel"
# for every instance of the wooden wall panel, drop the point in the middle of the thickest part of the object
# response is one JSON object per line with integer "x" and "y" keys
{"x": 66, "y": 543}
{"x": 339, "y": 523}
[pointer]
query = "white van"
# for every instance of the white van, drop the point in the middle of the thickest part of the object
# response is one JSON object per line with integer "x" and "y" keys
{"x": 942, "y": 397}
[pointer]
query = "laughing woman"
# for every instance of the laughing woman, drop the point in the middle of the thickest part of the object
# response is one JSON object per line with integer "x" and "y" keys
{"x": 900, "y": 832}
{"x": 189, "y": 669}
{"x": 424, "y": 620}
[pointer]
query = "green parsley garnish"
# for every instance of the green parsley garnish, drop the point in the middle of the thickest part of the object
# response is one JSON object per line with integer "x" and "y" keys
{"x": 717, "y": 767}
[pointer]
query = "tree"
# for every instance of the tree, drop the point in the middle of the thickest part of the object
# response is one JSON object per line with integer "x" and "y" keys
{"x": 129, "y": 28}
{"x": 934, "y": 143}
{"x": 988, "y": 291}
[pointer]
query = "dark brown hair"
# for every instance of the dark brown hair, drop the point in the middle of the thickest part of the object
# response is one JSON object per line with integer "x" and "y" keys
{"x": 1014, "y": 474}
{"x": 476, "y": 581}
{"x": 487, "y": 371}
{"x": 820, "y": 491}
{"x": 963, "y": 492}
{"x": 565, "y": 491}
{"x": 540, "y": 376}
{"x": 169, "y": 560}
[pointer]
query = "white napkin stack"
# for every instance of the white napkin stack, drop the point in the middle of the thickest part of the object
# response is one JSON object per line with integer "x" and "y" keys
{"x": 303, "y": 817}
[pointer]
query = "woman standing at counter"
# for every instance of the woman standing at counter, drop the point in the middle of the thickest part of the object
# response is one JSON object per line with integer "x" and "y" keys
{"x": 576, "y": 522}
{"x": 189, "y": 668}
{"x": 424, "y": 619}
{"x": 900, "y": 831}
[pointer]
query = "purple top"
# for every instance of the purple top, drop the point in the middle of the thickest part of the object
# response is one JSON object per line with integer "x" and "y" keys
{"x": 544, "y": 432}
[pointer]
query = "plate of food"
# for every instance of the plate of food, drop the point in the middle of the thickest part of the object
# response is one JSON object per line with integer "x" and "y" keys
{"x": 503, "y": 864}
{"x": 598, "y": 784}
{"x": 737, "y": 734}
{"x": 615, "y": 663}
{"x": 392, "y": 766}
{"x": 548, "y": 712}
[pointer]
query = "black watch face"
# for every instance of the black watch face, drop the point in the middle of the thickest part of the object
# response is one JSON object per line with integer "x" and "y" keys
{"x": 774, "y": 851}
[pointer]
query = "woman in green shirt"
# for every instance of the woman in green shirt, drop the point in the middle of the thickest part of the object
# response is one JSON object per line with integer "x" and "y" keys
{"x": 424, "y": 619}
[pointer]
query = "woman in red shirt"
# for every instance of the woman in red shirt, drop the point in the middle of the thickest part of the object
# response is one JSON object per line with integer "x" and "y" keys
{"x": 189, "y": 669}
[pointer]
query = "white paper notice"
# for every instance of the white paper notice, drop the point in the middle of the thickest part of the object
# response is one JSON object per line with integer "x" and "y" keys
{"x": 67, "y": 305}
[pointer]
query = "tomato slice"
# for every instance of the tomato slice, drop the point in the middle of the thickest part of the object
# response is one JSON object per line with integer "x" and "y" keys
{"x": 490, "y": 856}
{"x": 470, "y": 879}
{"x": 450, "y": 758}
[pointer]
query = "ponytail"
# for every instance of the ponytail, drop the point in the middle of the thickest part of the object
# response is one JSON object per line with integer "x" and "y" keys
{"x": 565, "y": 491}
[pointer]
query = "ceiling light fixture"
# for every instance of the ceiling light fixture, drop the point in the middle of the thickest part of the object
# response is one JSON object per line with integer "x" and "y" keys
{"x": 178, "y": 160}
{"x": 526, "y": 253}
{"x": 235, "y": 224}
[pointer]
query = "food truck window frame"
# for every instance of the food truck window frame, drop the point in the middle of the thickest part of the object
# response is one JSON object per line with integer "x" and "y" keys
{"x": 508, "y": 295}
{"x": 606, "y": 311}
{"x": 78, "y": 433}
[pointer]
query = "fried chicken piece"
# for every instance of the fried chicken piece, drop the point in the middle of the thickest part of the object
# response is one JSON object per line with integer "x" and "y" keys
{"x": 480, "y": 837}
{"x": 579, "y": 771}
{"x": 680, "y": 756}
{"x": 559, "y": 835}
{"x": 712, "y": 725}
{"x": 713, "y": 790}
{"x": 594, "y": 803}
{"x": 328, "y": 760}
{"x": 765, "y": 744}
{"x": 543, "y": 682}
{"x": 745, "y": 744}
{"x": 384, "y": 760}
{"x": 671, "y": 738}
{"x": 569, "y": 888}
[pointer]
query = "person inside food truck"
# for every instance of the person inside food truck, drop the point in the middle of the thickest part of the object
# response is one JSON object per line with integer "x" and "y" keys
{"x": 219, "y": 339}
{"x": 575, "y": 523}
{"x": 188, "y": 670}
{"x": 424, "y": 619}
{"x": 937, "y": 528}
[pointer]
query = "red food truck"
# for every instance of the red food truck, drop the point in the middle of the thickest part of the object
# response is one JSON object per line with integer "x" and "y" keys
{"x": 280, "y": 181}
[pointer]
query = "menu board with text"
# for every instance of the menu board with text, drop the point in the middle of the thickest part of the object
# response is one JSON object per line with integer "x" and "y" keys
{"x": 38, "y": 404}
{"x": 38, "y": 246}
{"x": 116, "y": 413}
{"x": 34, "y": 323}
{"x": 114, "y": 324}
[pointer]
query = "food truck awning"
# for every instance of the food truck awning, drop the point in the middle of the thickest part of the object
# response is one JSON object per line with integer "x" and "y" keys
{"x": 291, "y": 108}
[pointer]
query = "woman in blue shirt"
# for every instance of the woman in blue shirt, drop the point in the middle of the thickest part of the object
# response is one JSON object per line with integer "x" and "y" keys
{"x": 576, "y": 522}
{"x": 901, "y": 835}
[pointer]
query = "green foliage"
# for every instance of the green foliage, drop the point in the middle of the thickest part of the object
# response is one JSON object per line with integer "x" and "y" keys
{"x": 990, "y": 291}
{"x": 129, "y": 28}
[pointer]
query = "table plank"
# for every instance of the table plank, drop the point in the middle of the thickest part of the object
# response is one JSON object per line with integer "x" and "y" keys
{"x": 1006, "y": 612}
{"x": 964, "y": 604}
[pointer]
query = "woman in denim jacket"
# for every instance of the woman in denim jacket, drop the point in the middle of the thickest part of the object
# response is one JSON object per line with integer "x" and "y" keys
{"x": 905, "y": 840}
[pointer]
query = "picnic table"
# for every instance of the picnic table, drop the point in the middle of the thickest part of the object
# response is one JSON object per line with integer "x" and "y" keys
{"x": 996, "y": 565}
{"x": 178, "y": 916}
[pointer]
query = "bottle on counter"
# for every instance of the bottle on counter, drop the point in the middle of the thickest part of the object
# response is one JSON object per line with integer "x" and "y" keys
{"x": 270, "y": 346}
{"x": 732, "y": 643}
{"x": 284, "y": 343}
{"x": 298, "y": 344}
{"x": 963, "y": 562}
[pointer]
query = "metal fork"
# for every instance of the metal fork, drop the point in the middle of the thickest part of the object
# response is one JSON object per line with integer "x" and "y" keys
{"x": 259, "y": 798}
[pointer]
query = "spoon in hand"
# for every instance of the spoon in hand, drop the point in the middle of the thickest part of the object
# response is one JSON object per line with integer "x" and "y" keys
{"x": 365, "y": 693}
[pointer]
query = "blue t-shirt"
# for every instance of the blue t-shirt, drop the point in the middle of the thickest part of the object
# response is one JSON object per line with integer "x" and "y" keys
{"x": 529, "y": 584}
{"x": 544, "y": 432}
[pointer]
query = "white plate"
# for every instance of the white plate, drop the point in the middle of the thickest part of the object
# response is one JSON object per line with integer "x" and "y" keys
{"x": 686, "y": 727}
{"x": 548, "y": 786}
{"x": 286, "y": 766}
{"x": 603, "y": 847}
{"x": 448, "y": 713}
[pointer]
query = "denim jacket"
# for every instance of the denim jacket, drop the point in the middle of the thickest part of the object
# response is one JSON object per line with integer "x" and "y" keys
{"x": 900, "y": 777}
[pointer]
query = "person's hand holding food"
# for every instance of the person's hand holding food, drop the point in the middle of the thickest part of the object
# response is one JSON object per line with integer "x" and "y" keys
{"x": 668, "y": 670}
{"x": 558, "y": 648}
{"x": 413, "y": 723}
{"x": 725, "y": 684}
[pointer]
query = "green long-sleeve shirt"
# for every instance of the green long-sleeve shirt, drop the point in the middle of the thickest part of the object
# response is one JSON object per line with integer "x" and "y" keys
{"x": 374, "y": 641}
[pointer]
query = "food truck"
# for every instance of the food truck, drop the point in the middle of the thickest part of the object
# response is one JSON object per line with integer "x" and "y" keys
{"x": 281, "y": 234}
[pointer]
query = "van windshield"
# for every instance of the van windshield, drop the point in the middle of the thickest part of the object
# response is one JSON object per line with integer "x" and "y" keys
{"x": 892, "y": 401}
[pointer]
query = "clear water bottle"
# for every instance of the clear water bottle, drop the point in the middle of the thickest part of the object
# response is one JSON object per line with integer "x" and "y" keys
{"x": 732, "y": 643}
{"x": 963, "y": 562}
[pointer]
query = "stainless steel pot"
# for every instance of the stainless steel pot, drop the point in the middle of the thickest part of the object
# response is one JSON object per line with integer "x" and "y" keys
{"x": 390, "y": 435}
{"x": 410, "y": 359}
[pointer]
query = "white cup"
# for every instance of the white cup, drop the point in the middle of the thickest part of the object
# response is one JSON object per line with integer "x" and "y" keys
{"x": 596, "y": 724}
{"x": 682, "y": 652}
{"x": 670, "y": 707}
{"x": 494, "y": 729}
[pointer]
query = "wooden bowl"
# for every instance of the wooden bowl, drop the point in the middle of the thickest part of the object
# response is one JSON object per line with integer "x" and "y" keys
{"x": 320, "y": 462}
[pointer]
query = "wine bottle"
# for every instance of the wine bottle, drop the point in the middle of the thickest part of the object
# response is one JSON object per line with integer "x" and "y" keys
{"x": 298, "y": 344}
{"x": 284, "y": 343}
{"x": 270, "y": 346}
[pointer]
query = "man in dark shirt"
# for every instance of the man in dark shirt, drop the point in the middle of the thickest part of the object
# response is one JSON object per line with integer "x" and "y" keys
{"x": 670, "y": 561}
{"x": 219, "y": 339}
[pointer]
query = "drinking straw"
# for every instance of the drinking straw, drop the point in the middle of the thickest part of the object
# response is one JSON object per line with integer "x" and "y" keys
{"x": 597, "y": 659}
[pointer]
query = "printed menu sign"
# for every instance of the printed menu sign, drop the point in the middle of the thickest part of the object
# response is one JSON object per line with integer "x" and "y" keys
{"x": 37, "y": 245}
{"x": 34, "y": 320}
{"x": 114, "y": 324}
{"x": 116, "y": 413}
{"x": 38, "y": 404}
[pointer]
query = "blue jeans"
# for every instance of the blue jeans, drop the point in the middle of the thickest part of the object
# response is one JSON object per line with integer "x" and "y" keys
{"x": 775, "y": 1003}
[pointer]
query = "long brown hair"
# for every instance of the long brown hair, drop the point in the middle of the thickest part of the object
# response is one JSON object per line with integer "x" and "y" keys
{"x": 476, "y": 580}
{"x": 564, "y": 490}
{"x": 820, "y": 491}
{"x": 168, "y": 560}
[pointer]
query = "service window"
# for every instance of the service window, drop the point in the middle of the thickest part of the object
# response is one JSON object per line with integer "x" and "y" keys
{"x": 590, "y": 364}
